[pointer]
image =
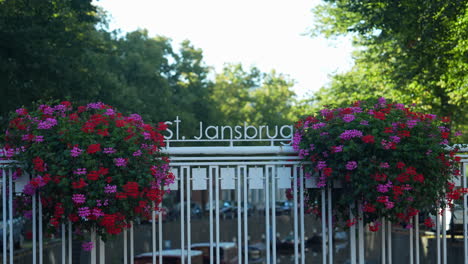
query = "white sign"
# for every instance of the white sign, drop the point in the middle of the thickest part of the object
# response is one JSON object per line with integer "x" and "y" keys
{"x": 243, "y": 133}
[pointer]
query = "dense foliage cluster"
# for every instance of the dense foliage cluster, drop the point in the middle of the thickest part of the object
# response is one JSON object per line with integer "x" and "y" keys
{"x": 89, "y": 164}
{"x": 391, "y": 161}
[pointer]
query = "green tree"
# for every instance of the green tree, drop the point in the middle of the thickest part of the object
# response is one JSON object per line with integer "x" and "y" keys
{"x": 413, "y": 51}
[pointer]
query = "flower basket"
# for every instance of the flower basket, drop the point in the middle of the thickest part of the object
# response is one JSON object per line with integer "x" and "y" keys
{"x": 391, "y": 160}
{"x": 90, "y": 164}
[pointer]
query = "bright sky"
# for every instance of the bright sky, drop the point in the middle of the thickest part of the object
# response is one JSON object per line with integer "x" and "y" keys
{"x": 268, "y": 34}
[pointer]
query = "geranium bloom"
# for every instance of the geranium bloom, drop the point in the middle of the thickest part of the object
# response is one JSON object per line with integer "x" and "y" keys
{"x": 351, "y": 165}
{"x": 349, "y": 134}
{"x": 120, "y": 162}
{"x": 76, "y": 151}
{"x": 368, "y": 139}
{"x": 79, "y": 198}
{"x": 93, "y": 148}
{"x": 87, "y": 246}
{"x": 348, "y": 118}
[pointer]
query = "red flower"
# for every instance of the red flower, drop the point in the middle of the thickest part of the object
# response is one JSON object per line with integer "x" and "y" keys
{"x": 429, "y": 223}
{"x": 368, "y": 208}
{"x": 131, "y": 189}
{"x": 66, "y": 103}
{"x": 368, "y": 139}
{"x": 373, "y": 228}
{"x": 79, "y": 184}
{"x": 103, "y": 132}
{"x": 351, "y": 222}
{"x": 400, "y": 165}
{"x": 73, "y": 217}
{"x": 381, "y": 177}
{"x": 382, "y": 199}
{"x": 327, "y": 171}
{"x": 419, "y": 178}
{"x": 120, "y": 196}
{"x": 120, "y": 123}
{"x": 93, "y": 175}
{"x": 379, "y": 115}
{"x": 388, "y": 130}
{"x": 404, "y": 133}
{"x": 155, "y": 195}
{"x": 445, "y": 135}
{"x": 93, "y": 148}
{"x": 39, "y": 164}
{"x": 445, "y": 119}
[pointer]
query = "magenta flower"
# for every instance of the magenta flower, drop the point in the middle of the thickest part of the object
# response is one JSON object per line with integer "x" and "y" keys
{"x": 364, "y": 122}
{"x": 384, "y": 165}
{"x": 38, "y": 138}
{"x": 47, "y": 124}
{"x": 348, "y": 118}
{"x": 79, "y": 198}
{"x": 84, "y": 212}
{"x": 382, "y": 188}
{"x": 321, "y": 165}
{"x": 110, "y": 188}
{"x": 318, "y": 125}
{"x": 97, "y": 212}
{"x": 76, "y": 151}
{"x": 80, "y": 171}
{"x": 137, "y": 153}
{"x": 389, "y": 205}
{"x": 349, "y": 134}
{"x": 295, "y": 142}
{"x": 109, "y": 150}
{"x": 120, "y": 162}
{"x": 351, "y": 165}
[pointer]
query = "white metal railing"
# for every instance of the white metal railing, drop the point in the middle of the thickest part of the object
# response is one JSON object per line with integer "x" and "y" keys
{"x": 240, "y": 170}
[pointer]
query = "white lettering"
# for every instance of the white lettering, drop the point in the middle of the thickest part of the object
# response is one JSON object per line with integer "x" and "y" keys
{"x": 216, "y": 136}
{"x": 237, "y": 128}
{"x": 246, "y": 130}
{"x": 201, "y": 133}
{"x": 168, "y": 123}
{"x": 222, "y": 131}
{"x": 268, "y": 132}
{"x": 290, "y": 131}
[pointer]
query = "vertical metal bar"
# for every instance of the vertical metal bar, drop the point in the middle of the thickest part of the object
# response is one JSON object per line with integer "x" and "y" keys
{"x": 246, "y": 226}
{"x": 34, "y": 228}
{"x": 102, "y": 251}
{"x": 352, "y": 234}
{"x": 361, "y": 234}
{"x": 93, "y": 250}
{"x": 273, "y": 211}
{"x": 330, "y": 226}
{"x": 160, "y": 233}
{"x": 465, "y": 229}
{"x": 383, "y": 231}
{"x": 63, "y": 244}
{"x": 132, "y": 243}
{"x": 389, "y": 242}
{"x": 125, "y": 237}
{"x": 210, "y": 197}
{"x": 296, "y": 235}
{"x": 444, "y": 236}
{"x": 411, "y": 256}
{"x": 301, "y": 218}
{"x": 416, "y": 236}
{"x": 324, "y": 229}
{"x": 216, "y": 177}
{"x": 153, "y": 232}
{"x": 182, "y": 214}
{"x": 10, "y": 204}
{"x": 40, "y": 229}
{"x": 438, "y": 236}
{"x": 70, "y": 252}
{"x": 267, "y": 214}
{"x": 4, "y": 216}
{"x": 189, "y": 219}
{"x": 239, "y": 217}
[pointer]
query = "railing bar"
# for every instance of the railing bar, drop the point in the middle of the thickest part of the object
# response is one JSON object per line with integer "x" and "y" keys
{"x": 210, "y": 194}
{"x": 93, "y": 250}
{"x": 324, "y": 229}
{"x": 102, "y": 251}
{"x": 267, "y": 214}
{"x": 132, "y": 243}
{"x": 34, "y": 227}
{"x": 389, "y": 242}
{"x": 64, "y": 253}
{"x": 301, "y": 218}
{"x": 4, "y": 216}
{"x": 153, "y": 232}
{"x": 40, "y": 229}
{"x": 411, "y": 258}
{"x": 383, "y": 231}
{"x": 296, "y": 235}
{"x": 189, "y": 218}
{"x": 216, "y": 177}
{"x": 239, "y": 217}
{"x": 465, "y": 230}
{"x": 10, "y": 204}
{"x": 182, "y": 214}
{"x": 125, "y": 251}
{"x": 246, "y": 226}
{"x": 330, "y": 226}
{"x": 416, "y": 236}
{"x": 160, "y": 234}
{"x": 361, "y": 234}
{"x": 273, "y": 211}
{"x": 70, "y": 252}
{"x": 438, "y": 236}
{"x": 444, "y": 235}
{"x": 352, "y": 234}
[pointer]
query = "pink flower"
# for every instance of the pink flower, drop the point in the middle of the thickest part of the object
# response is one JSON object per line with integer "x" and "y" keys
{"x": 79, "y": 198}
{"x": 120, "y": 162}
{"x": 84, "y": 212}
{"x": 384, "y": 165}
{"x": 348, "y": 118}
{"x": 137, "y": 153}
{"x": 76, "y": 151}
{"x": 80, "y": 171}
{"x": 109, "y": 150}
{"x": 351, "y": 165}
{"x": 349, "y": 134}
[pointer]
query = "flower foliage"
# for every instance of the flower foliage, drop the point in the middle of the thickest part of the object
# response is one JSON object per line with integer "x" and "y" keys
{"x": 90, "y": 164}
{"x": 393, "y": 161}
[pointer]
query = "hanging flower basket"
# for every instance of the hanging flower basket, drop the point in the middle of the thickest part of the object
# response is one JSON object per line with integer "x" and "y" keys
{"x": 90, "y": 165}
{"x": 392, "y": 161}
